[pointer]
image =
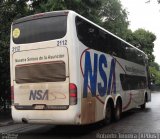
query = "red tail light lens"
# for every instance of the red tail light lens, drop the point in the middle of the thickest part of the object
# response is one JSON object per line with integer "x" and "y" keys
{"x": 72, "y": 94}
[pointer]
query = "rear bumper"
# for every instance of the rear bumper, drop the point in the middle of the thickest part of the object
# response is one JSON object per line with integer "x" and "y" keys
{"x": 71, "y": 116}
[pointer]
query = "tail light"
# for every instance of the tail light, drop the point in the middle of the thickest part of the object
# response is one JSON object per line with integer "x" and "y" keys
{"x": 12, "y": 94}
{"x": 72, "y": 94}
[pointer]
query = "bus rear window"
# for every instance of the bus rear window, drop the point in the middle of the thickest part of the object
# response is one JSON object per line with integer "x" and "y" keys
{"x": 36, "y": 73}
{"x": 38, "y": 30}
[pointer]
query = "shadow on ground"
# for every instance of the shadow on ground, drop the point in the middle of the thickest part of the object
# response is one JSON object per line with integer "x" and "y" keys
{"x": 78, "y": 131}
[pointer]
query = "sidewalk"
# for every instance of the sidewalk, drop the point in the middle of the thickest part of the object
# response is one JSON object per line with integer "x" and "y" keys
{"x": 5, "y": 118}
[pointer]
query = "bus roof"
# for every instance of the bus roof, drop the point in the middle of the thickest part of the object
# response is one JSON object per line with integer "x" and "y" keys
{"x": 41, "y": 15}
{"x": 65, "y": 12}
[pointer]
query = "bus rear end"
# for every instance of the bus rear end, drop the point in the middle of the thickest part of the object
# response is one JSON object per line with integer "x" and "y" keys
{"x": 40, "y": 78}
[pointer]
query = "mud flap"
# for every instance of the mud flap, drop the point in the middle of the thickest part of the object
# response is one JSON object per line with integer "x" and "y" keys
{"x": 88, "y": 109}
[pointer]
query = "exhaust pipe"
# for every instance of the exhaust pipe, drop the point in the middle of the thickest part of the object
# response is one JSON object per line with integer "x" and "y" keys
{"x": 24, "y": 121}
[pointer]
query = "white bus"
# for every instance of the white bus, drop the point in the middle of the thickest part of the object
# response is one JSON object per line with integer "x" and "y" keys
{"x": 67, "y": 70}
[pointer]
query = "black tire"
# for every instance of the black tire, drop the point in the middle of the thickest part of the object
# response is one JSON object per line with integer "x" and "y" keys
{"x": 108, "y": 114}
{"x": 143, "y": 106}
{"x": 118, "y": 111}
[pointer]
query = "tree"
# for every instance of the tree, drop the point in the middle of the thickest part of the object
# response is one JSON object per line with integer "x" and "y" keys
{"x": 155, "y": 65}
{"x": 155, "y": 72}
{"x": 87, "y": 8}
{"x": 155, "y": 75}
{"x": 149, "y": 1}
{"x": 10, "y": 10}
{"x": 114, "y": 17}
{"x": 143, "y": 40}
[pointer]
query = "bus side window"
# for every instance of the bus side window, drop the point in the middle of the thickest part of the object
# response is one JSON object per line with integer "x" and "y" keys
{"x": 113, "y": 46}
{"x": 93, "y": 35}
{"x": 87, "y": 33}
{"x": 101, "y": 41}
{"x": 123, "y": 50}
{"x": 132, "y": 82}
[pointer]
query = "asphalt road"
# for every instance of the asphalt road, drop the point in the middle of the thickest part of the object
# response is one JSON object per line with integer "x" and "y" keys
{"x": 135, "y": 123}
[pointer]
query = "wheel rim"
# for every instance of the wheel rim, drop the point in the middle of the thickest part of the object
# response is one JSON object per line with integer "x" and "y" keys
{"x": 118, "y": 111}
{"x": 108, "y": 113}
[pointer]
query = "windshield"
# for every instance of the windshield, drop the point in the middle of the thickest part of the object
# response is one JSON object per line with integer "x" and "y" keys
{"x": 37, "y": 30}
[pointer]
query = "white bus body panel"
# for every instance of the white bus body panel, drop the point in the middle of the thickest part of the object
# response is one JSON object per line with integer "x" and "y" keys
{"x": 60, "y": 117}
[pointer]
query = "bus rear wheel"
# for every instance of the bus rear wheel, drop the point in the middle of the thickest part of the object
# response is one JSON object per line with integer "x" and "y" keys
{"x": 108, "y": 114}
{"x": 143, "y": 106}
{"x": 118, "y": 111}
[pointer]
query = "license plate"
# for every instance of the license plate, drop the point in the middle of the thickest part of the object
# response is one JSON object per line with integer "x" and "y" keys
{"x": 39, "y": 107}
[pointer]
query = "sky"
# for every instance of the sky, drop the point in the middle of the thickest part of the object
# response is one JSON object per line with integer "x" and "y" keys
{"x": 146, "y": 15}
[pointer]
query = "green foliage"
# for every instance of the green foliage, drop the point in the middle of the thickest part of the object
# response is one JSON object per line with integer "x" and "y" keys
{"x": 87, "y": 8}
{"x": 155, "y": 72}
{"x": 155, "y": 75}
{"x": 144, "y": 40}
{"x": 114, "y": 17}
{"x": 155, "y": 65}
{"x": 10, "y": 10}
